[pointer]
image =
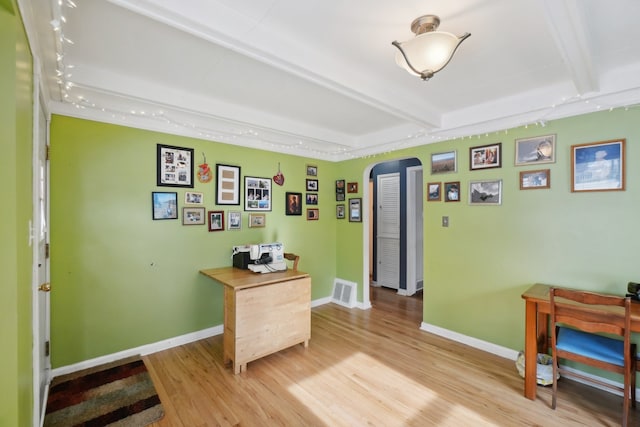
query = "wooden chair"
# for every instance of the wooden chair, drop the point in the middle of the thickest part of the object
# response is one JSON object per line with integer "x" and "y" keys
{"x": 576, "y": 323}
{"x": 292, "y": 257}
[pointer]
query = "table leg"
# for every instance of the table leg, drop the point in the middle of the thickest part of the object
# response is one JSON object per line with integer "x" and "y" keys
{"x": 530, "y": 350}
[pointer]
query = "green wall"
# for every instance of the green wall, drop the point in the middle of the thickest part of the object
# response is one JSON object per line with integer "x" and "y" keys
{"x": 16, "y": 85}
{"x": 478, "y": 267}
{"x": 122, "y": 280}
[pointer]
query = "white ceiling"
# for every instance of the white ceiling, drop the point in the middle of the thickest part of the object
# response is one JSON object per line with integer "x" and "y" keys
{"x": 318, "y": 77}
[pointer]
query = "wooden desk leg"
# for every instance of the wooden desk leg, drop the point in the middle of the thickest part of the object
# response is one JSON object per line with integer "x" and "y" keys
{"x": 530, "y": 350}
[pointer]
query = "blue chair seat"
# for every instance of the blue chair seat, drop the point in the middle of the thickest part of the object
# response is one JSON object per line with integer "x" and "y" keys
{"x": 598, "y": 347}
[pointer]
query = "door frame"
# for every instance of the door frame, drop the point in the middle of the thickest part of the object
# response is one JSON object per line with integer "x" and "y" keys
{"x": 367, "y": 197}
{"x": 412, "y": 203}
{"x": 40, "y": 373}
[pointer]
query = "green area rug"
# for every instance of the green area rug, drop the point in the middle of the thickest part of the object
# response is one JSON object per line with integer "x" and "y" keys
{"x": 117, "y": 394}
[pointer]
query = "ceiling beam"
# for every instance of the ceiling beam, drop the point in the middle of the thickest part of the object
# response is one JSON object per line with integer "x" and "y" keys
{"x": 566, "y": 20}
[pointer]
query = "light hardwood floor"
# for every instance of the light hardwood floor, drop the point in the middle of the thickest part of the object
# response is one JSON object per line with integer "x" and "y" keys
{"x": 366, "y": 368}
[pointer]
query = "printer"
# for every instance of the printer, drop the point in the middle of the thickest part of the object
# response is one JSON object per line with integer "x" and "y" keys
{"x": 261, "y": 258}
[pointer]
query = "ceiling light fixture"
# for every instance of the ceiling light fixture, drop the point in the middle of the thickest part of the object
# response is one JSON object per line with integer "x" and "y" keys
{"x": 430, "y": 51}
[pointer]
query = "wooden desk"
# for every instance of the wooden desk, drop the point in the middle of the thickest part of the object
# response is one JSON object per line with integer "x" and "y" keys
{"x": 536, "y": 338}
{"x": 263, "y": 313}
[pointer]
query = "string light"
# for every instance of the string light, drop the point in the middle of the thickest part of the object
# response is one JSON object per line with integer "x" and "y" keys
{"x": 333, "y": 150}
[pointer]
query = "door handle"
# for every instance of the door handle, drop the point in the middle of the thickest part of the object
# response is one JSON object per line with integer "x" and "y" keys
{"x": 45, "y": 287}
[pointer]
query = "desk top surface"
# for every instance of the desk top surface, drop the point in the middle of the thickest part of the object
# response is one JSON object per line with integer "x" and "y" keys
{"x": 237, "y": 278}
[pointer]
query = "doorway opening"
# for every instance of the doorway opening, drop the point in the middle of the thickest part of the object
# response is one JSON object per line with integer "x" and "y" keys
{"x": 393, "y": 243}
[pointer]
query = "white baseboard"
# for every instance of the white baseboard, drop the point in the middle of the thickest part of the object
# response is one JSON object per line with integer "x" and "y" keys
{"x": 513, "y": 355}
{"x": 471, "y": 341}
{"x": 142, "y": 350}
{"x": 153, "y": 347}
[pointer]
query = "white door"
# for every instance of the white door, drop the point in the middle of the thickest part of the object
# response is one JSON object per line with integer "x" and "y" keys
{"x": 41, "y": 358}
{"x": 388, "y": 231}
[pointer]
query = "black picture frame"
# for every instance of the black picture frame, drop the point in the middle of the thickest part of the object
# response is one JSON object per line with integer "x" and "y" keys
{"x": 174, "y": 166}
{"x": 293, "y": 203}
{"x": 312, "y": 185}
{"x": 485, "y": 156}
{"x": 164, "y": 205}
{"x": 227, "y": 184}
{"x": 355, "y": 210}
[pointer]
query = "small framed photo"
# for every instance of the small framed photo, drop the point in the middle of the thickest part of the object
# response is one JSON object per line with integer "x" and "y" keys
{"x": 340, "y": 190}
{"x": 434, "y": 193}
{"x": 352, "y": 187}
{"x": 313, "y": 214}
{"x": 485, "y": 156}
{"x": 312, "y": 170}
{"x": 164, "y": 205}
{"x": 234, "y": 220}
{"x": 293, "y": 203}
{"x": 539, "y": 149}
{"x": 534, "y": 180}
{"x": 485, "y": 192}
{"x": 452, "y": 191}
{"x": 312, "y": 198}
{"x": 193, "y": 216}
{"x": 598, "y": 166}
{"x": 174, "y": 166}
{"x": 312, "y": 185}
{"x": 257, "y": 220}
{"x": 216, "y": 220}
{"x": 257, "y": 195}
{"x": 340, "y": 211}
{"x": 227, "y": 185}
{"x": 444, "y": 162}
{"x": 355, "y": 210}
{"x": 192, "y": 198}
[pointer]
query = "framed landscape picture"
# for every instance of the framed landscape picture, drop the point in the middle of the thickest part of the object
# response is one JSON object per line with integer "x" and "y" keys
{"x": 444, "y": 162}
{"x": 535, "y": 180}
{"x": 485, "y": 192}
{"x": 164, "y": 205}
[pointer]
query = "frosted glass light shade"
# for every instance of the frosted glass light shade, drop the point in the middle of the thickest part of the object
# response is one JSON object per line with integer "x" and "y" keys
{"x": 429, "y": 52}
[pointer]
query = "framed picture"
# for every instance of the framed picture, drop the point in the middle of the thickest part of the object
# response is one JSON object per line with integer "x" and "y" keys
{"x": 174, "y": 166}
{"x": 444, "y": 162}
{"x": 598, "y": 166}
{"x": 355, "y": 210}
{"x": 293, "y": 203}
{"x": 534, "y": 180}
{"x": 452, "y": 191}
{"x": 234, "y": 220}
{"x": 434, "y": 193}
{"x": 227, "y": 185}
{"x": 340, "y": 211}
{"x": 312, "y": 170}
{"x": 257, "y": 194}
{"x": 193, "y": 198}
{"x": 312, "y": 185}
{"x": 539, "y": 149}
{"x": 257, "y": 220}
{"x": 485, "y": 156}
{"x": 485, "y": 192}
{"x": 193, "y": 216}
{"x": 340, "y": 190}
{"x": 164, "y": 205}
{"x": 313, "y": 214}
{"x": 216, "y": 220}
{"x": 352, "y": 187}
{"x": 312, "y": 198}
